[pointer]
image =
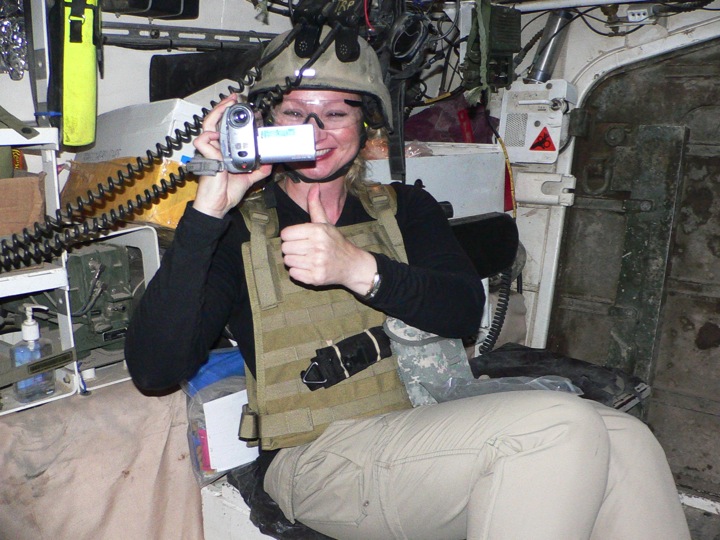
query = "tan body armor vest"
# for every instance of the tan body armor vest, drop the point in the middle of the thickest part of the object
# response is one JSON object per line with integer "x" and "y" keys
{"x": 292, "y": 322}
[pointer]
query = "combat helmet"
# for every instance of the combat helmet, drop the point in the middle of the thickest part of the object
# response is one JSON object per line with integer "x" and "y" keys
{"x": 362, "y": 76}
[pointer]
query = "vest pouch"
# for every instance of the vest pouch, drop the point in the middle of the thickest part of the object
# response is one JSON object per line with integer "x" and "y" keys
{"x": 347, "y": 357}
{"x": 425, "y": 358}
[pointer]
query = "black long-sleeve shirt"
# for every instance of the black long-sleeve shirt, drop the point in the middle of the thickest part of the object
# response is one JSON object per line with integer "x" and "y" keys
{"x": 200, "y": 286}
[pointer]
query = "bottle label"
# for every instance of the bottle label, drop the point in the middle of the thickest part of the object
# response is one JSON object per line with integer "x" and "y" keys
{"x": 52, "y": 361}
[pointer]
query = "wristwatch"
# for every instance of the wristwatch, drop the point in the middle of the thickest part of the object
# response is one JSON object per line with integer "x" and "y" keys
{"x": 374, "y": 288}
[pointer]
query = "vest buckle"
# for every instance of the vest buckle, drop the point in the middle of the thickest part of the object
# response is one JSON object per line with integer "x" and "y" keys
{"x": 249, "y": 425}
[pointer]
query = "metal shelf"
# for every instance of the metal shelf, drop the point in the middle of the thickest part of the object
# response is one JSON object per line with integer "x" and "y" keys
{"x": 36, "y": 279}
{"x": 51, "y": 277}
{"x": 46, "y": 138}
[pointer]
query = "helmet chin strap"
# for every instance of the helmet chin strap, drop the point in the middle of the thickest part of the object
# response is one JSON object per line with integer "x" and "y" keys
{"x": 297, "y": 177}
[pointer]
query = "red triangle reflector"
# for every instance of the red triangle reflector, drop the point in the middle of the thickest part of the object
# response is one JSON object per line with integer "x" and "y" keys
{"x": 543, "y": 142}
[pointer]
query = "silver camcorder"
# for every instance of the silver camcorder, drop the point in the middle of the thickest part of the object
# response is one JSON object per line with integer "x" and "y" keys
{"x": 245, "y": 146}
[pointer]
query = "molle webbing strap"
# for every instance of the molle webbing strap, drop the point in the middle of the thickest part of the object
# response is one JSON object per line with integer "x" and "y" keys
{"x": 380, "y": 202}
{"x": 306, "y": 420}
{"x": 263, "y": 224}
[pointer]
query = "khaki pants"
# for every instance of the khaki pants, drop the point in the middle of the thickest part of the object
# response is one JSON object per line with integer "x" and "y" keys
{"x": 534, "y": 465}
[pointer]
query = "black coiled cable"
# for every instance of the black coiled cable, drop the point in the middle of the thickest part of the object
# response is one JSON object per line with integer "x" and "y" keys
{"x": 49, "y": 238}
{"x": 500, "y": 311}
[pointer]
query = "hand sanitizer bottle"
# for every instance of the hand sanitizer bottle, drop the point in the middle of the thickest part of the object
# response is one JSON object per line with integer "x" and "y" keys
{"x": 32, "y": 347}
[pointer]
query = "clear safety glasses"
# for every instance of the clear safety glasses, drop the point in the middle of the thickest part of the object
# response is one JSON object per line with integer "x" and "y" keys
{"x": 328, "y": 114}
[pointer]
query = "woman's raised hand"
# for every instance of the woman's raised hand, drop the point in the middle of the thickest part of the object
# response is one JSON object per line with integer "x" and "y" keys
{"x": 317, "y": 253}
{"x": 217, "y": 195}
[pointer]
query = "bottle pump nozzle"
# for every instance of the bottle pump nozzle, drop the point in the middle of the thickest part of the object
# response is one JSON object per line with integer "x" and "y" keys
{"x": 30, "y": 327}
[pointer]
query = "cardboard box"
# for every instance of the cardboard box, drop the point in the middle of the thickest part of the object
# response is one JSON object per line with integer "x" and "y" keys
{"x": 122, "y": 136}
{"x": 22, "y": 203}
{"x": 166, "y": 212}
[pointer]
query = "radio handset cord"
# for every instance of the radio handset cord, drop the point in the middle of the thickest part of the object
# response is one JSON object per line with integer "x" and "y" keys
{"x": 51, "y": 237}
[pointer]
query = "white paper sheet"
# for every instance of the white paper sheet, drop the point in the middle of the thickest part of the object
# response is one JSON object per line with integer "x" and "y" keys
{"x": 222, "y": 420}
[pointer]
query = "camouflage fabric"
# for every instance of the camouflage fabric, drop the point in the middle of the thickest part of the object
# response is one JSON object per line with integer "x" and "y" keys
{"x": 425, "y": 358}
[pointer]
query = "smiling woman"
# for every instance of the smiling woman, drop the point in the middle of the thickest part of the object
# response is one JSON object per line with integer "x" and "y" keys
{"x": 337, "y": 118}
{"x": 309, "y": 265}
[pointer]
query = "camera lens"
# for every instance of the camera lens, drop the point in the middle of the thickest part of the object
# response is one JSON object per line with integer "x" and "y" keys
{"x": 239, "y": 116}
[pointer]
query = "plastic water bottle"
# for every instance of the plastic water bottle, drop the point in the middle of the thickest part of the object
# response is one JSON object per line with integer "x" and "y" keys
{"x": 31, "y": 348}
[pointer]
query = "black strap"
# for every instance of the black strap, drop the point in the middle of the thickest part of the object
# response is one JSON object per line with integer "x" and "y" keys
{"x": 396, "y": 139}
{"x": 338, "y": 362}
{"x": 268, "y": 196}
{"x": 77, "y": 19}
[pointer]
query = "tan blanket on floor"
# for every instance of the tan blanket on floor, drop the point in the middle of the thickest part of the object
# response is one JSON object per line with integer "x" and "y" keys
{"x": 112, "y": 465}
